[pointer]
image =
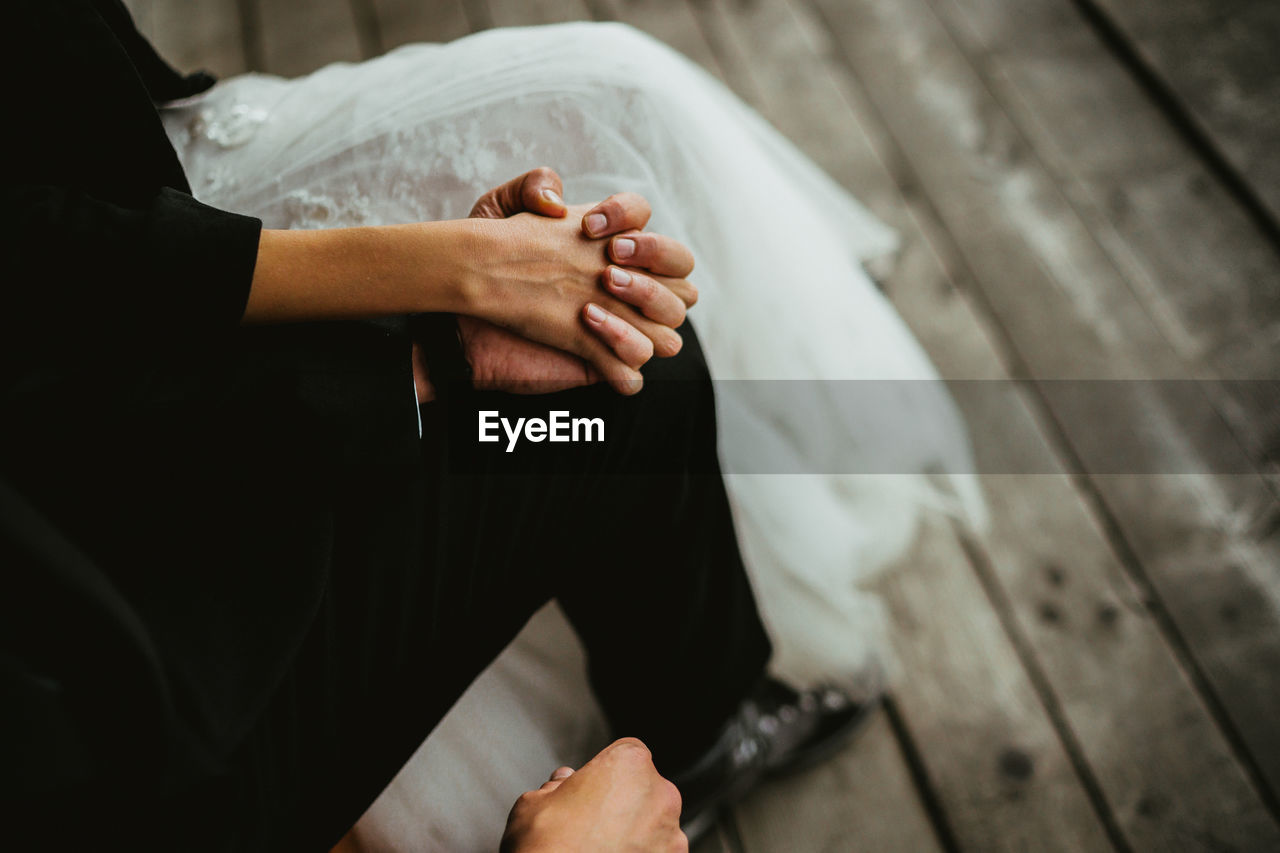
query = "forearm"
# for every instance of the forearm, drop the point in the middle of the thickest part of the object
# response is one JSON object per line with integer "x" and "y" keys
{"x": 538, "y": 278}
{"x": 347, "y": 273}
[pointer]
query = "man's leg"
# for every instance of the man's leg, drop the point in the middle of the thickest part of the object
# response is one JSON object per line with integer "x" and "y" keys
{"x": 432, "y": 577}
{"x": 634, "y": 537}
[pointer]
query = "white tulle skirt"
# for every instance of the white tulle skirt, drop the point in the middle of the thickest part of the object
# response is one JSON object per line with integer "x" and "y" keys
{"x": 420, "y": 133}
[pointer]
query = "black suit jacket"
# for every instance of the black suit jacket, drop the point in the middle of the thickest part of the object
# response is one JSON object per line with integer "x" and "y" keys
{"x": 168, "y": 480}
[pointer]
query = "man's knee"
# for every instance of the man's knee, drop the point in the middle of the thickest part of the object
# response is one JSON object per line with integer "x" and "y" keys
{"x": 671, "y": 422}
{"x": 669, "y": 427}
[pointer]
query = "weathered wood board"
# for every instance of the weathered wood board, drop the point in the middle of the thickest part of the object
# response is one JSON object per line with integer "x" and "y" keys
{"x": 1221, "y": 61}
{"x": 1059, "y": 515}
{"x": 1208, "y": 278}
{"x": 1121, "y": 700}
{"x": 1064, "y": 311}
{"x": 193, "y": 34}
{"x": 404, "y": 21}
{"x": 529, "y": 13}
{"x": 861, "y": 801}
{"x": 298, "y": 39}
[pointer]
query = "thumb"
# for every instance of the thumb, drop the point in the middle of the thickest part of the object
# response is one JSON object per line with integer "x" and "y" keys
{"x": 537, "y": 191}
{"x": 541, "y": 191}
{"x": 557, "y": 778}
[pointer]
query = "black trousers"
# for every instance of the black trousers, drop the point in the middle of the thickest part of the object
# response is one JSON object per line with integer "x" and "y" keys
{"x": 432, "y": 575}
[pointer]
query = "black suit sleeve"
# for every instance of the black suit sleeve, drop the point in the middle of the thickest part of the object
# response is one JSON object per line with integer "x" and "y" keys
{"x": 167, "y": 267}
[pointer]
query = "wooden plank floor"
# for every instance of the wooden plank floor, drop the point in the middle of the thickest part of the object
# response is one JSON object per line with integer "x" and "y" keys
{"x": 1079, "y": 197}
{"x": 1218, "y": 62}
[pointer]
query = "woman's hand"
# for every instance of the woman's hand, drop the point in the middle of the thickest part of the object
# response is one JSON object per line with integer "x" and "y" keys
{"x": 622, "y": 216}
{"x": 542, "y": 279}
{"x": 657, "y": 291}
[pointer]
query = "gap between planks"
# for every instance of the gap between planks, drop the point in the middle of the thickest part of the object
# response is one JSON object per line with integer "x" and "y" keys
{"x": 1126, "y": 506}
{"x": 777, "y": 35}
{"x": 1181, "y": 118}
{"x": 936, "y": 812}
{"x": 1088, "y": 488}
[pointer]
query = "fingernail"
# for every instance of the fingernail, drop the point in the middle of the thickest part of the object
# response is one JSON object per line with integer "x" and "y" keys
{"x": 596, "y": 222}
{"x": 595, "y": 314}
{"x": 552, "y": 197}
{"x": 618, "y": 277}
{"x": 623, "y": 248}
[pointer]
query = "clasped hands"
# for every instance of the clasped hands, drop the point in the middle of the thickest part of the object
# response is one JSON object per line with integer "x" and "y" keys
{"x": 582, "y": 293}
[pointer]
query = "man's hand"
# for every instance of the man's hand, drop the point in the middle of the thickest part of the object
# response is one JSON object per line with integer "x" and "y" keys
{"x": 616, "y": 802}
{"x": 648, "y": 273}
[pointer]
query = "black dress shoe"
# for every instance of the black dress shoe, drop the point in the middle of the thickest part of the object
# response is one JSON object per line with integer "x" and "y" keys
{"x": 775, "y": 730}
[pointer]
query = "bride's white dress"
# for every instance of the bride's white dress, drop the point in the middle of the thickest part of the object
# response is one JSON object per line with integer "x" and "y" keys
{"x": 419, "y": 134}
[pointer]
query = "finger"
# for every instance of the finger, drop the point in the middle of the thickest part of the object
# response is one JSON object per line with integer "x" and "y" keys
{"x": 542, "y": 192}
{"x": 629, "y": 749}
{"x": 487, "y": 207}
{"x": 670, "y": 798}
{"x": 537, "y": 191}
{"x": 624, "y": 339}
{"x": 561, "y": 773}
{"x": 621, "y": 377}
{"x": 657, "y": 253}
{"x": 682, "y": 288}
{"x": 666, "y": 340}
{"x": 619, "y": 212}
{"x": 550, "y": 785}
{"x": 652, "y": 299}
{"x": 628, "y": 752}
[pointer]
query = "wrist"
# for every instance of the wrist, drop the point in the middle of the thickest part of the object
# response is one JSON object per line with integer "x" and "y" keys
{"x": 373, "y": 271}
{"x": 463, "y": 252}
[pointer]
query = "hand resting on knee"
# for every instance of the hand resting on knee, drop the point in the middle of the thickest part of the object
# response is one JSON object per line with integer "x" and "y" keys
{"x": 648, "y": 273}
{"x": 584, "y": 281}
